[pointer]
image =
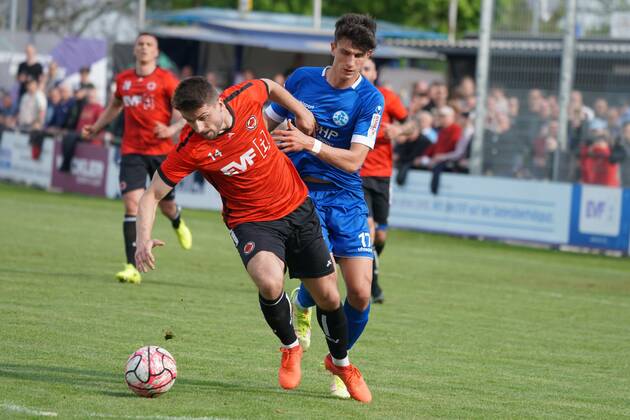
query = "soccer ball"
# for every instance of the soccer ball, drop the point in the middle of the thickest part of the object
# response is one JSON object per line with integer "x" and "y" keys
{"x": 150, "y": 371}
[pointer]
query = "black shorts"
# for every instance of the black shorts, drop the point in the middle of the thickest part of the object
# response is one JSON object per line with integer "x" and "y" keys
{"x": 296, "y": 239}
{"x": 376, "y": 190}
{"x": 134, "y": 169}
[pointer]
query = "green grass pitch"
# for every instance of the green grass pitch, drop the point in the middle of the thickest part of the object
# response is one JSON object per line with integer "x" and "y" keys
{"x": 468, "y": 330}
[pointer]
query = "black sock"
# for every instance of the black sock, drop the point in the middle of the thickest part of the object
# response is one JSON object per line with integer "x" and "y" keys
{"x": 129, "y": 233}
{"x": 335, "y": 328}
{"x": 177, "y": 219}
{"x": 376, "y": 289}
{"x": 278, "y": 316}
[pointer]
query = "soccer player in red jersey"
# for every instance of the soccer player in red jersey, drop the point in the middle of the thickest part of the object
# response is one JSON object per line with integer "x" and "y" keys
{"x": 377, "y": 172}
{"x": 272, "y": 221}
{"x": 144, "y": 93}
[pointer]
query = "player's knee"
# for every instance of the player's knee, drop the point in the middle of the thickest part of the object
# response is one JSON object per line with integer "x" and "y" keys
{"x": 270, "y": 289}
{"x": 329, "y": 296}
{"x": 359, "y": 298}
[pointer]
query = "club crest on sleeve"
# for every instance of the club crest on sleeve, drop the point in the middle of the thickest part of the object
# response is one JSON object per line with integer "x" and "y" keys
{"x": 251, "y": 123}
{"x": 249, "y": 247}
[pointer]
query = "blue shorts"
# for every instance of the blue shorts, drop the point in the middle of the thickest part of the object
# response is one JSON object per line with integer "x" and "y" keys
{"x": 343, "y": 215}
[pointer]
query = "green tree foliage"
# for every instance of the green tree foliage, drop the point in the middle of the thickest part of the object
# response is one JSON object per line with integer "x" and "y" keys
{"x": 420, "y": 14}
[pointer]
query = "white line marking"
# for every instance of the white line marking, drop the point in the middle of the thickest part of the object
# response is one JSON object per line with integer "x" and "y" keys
{"x": 25, "y": 410}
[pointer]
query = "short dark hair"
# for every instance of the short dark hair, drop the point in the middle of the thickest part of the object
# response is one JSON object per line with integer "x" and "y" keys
{"x": 359, "y": 29}
{"x": 157, "y": 42}
{"x": 193, "y": 93}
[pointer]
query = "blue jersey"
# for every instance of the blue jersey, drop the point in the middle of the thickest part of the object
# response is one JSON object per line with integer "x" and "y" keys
{"x": 343, "y": 116}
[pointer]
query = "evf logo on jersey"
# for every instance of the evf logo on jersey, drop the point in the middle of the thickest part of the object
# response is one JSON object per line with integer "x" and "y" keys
{"x": 146, "y": 101}
{"x": 235, "y": 168}
{"x": 132, "y": 100}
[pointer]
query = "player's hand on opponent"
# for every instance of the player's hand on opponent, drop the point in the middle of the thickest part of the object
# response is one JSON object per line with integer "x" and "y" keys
{"x": 163, "y": 131}
{"x": 292, "y": 139}
{"x": 87, "y": 131}
{"x": 306, "y": 123}
{"x": 144, "y": 257}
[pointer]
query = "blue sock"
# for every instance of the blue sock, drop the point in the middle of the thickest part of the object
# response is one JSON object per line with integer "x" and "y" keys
{"x": 357, "y": 320}
{"x": 304, "y": 298}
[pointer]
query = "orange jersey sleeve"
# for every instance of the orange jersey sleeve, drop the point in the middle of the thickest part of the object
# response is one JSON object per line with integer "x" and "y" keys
{"x": 177, "y": 164}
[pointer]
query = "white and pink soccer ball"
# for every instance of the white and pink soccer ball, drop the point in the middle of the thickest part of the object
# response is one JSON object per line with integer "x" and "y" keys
{"x": 150, "y": 371}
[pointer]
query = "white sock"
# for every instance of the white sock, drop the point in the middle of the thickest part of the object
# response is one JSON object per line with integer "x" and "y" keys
{"x": 290, "y": 346}
{"x": 341, "y": 362}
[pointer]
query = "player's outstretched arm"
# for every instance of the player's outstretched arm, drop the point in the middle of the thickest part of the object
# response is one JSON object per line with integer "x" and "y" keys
{"x": 113, "y": 109}
{"x": 304, "y": 119}
{"x": 167, "y": 131}
{"x": 144, "y": 223}
{"x": 293, "y": 140}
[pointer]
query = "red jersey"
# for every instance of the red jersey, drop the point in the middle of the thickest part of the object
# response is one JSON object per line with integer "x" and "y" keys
{"x": 146, "y": 101}
{"x": 379, "y": 160}
{"x": 257, "y": 182}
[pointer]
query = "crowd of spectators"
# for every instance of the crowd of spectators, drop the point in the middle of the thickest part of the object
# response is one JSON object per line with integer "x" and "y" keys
{"x": 520, "y": 134}
{"x": 520, "y": 141}
{"x": 44, "y": 105}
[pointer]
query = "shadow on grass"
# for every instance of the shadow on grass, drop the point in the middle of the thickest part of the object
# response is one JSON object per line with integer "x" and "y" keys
{"x": 49, "y": 273}
{"x": 119, "y": 394}
{"x": 98, "y": 379}
{"x": 230, "y": 387}
{"x": 93, "y": 276}
{"x": 57, "y": 374}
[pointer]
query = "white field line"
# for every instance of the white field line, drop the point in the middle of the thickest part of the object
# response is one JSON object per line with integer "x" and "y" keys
{"x": 28, "y": 411}
{"x": 14, "y": 408}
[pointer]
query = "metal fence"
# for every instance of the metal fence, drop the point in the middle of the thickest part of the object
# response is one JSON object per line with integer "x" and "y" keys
{"x": 556, "y": 100}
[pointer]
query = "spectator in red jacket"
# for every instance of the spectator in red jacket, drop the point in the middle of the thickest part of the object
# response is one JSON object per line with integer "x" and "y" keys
{"x": 89, "y": 114}
{"x": 449, "y": 135}
{"x": 596, "y": 164}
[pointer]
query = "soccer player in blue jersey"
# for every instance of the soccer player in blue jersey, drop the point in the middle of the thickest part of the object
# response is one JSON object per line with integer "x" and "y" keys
{"x": 347, "y": 108}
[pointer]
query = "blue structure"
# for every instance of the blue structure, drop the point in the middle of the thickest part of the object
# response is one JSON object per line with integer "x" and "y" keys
{"x": 200, "y": 36}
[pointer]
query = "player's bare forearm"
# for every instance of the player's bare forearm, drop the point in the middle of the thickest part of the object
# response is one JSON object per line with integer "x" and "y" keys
{"x": 293, "y": 140}
{"x": 350, "y": 160}
{"x": 144, "y": 223}
{"x": 303, "y": 117}
{"x": 111, "y": 111}
{"x": 270, "y": 123}
{"x": 178, "y": 121}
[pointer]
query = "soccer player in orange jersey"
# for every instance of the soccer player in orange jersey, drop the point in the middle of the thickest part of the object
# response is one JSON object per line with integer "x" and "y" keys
{"x": 144, "y": 94}
{"x": 272, "y": 221}
{"x": 376, "y": 173}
